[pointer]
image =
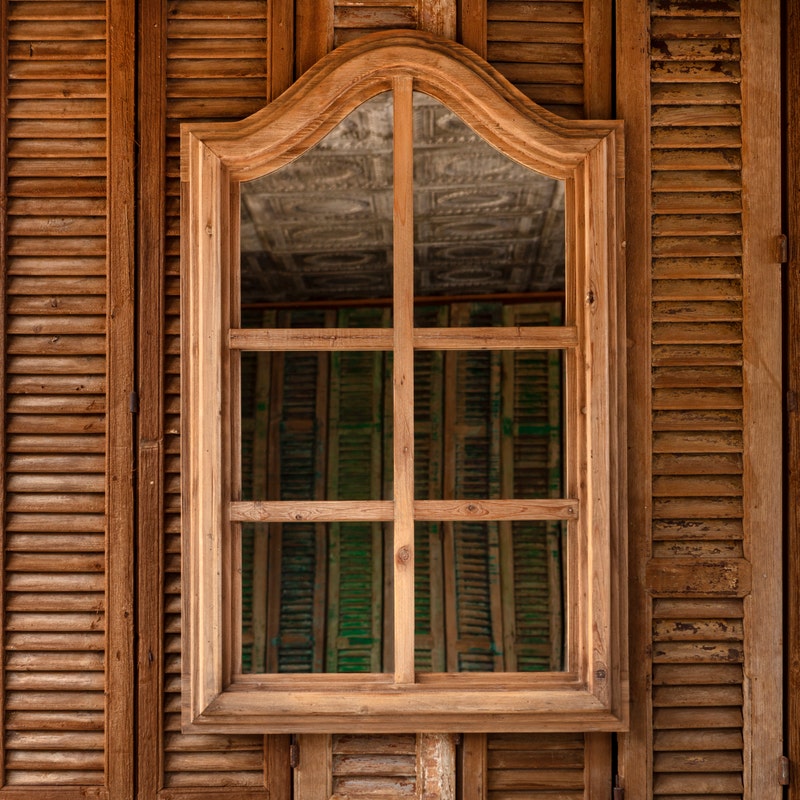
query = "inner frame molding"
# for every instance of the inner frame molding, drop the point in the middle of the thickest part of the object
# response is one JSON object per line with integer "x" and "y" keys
{"x": 591, "y": 694}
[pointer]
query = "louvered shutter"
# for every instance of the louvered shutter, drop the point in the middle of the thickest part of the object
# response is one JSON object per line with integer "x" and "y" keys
{"x": 697, "y": 396}
{"x": 57, "y": 552}
{"x": 355, "y": 472}
{"x": 204, "y": 61}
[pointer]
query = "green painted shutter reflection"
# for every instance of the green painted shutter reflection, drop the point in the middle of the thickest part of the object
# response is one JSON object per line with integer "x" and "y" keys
{"x": 488, "y": 596}
{"x": 299, "y": 404}
{"x": 531, "y": 551}
{"x": 472, "y": 469}
{"x": 358, "y": 394}
{"x": 430, "y": 646}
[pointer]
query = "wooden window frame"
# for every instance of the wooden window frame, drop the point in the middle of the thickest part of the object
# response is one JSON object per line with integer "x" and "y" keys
{"x": 592, "y": 693}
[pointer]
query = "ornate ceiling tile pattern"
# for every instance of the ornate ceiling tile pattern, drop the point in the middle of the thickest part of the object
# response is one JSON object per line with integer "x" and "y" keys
{"x": 320, "y": 228}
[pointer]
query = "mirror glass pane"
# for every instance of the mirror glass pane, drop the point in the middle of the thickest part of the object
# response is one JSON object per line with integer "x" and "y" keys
{"x": 320, "y": 227}
{"x": 484, "y": 224}
{"x": 316, "y": 425}
{"x": 489, "y": 597}
{"x": 316, "y": 239}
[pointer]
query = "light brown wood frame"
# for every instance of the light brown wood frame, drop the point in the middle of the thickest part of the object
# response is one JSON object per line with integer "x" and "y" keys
{"x": 592, "y": 693}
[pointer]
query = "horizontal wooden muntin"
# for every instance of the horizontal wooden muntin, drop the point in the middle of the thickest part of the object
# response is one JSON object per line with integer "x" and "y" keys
{"x": 384, "y": 510}
{"x": 216, "y": 158}
{"x": 505, "y": 338}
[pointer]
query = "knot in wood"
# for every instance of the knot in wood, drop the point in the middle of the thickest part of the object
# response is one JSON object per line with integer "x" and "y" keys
{"x": 403, "y": 555}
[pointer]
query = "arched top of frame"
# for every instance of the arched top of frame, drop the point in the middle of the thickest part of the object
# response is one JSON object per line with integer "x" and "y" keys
{"x": 360, "y": 69}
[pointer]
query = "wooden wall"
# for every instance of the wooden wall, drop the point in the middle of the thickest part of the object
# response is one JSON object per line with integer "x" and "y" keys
{"x": 91, "y": 201}
{"x": 695, "y": 91}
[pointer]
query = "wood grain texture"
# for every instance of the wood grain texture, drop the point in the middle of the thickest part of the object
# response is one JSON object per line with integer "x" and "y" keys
{"x": 152, "y": 200}
{"x": 216, "y": 158}
{"x": 632, "y": 93}
{"x": 762, "y": 394}
{"x": 792, "y": 304}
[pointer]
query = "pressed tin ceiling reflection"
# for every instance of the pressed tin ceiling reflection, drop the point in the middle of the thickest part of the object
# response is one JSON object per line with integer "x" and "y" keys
{"x": 320, "y": 228}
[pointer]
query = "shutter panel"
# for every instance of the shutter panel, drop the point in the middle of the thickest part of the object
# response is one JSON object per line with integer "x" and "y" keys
{"x": 540, "y": 51}
{"x": 696, "y": 395}
{"x": 214, "y": 63}
{"x": 513, "y": 766}
{"x": 370, "y": 766}
{"x": 534, "y": 765}
{"x": 287, "y": 426}
{"x": 345, "y": 767}
{"x": 55, "y": 621}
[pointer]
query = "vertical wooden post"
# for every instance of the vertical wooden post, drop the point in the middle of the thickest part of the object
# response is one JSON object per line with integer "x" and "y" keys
{"x": 598, "y": 24}
{"x": 473, "y": 25}
{"x": 792, "y": 339}
{"x": 280, "y": 47}
{"x": 436, "y": 766}
{"x": 313, "y": 776}
{"x": 437, "y": 16}
{"x": 403, "y": 312}
{"x": 150, "y": 386}
{"x": 597, "y": 766}
{"x": 474, "y": 768}
{"x": 762, "y": 394}
{"x": 121, "y": 253}
{"x": 633, "y": 105}
{"x": 314, "y": 33}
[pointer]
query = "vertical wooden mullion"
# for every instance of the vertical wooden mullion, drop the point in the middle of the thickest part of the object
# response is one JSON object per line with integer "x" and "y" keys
{"x": 403, "y": 396}
{"x": 120, "y": 326}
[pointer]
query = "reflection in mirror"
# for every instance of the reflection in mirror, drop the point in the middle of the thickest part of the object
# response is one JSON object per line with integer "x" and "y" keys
{"x": 316, "y": 252}
{"x": 488, "y": 423}
{"x": 317, "y": 425}
{"x": 320, "y": 227}
{"x": 489, "y": 597}
{"x": 484, "y": 224}
{"x": 314, "y": 597}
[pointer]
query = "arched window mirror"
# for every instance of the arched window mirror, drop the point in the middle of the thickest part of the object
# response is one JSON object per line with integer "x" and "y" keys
{"x": 403, "y": 419}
